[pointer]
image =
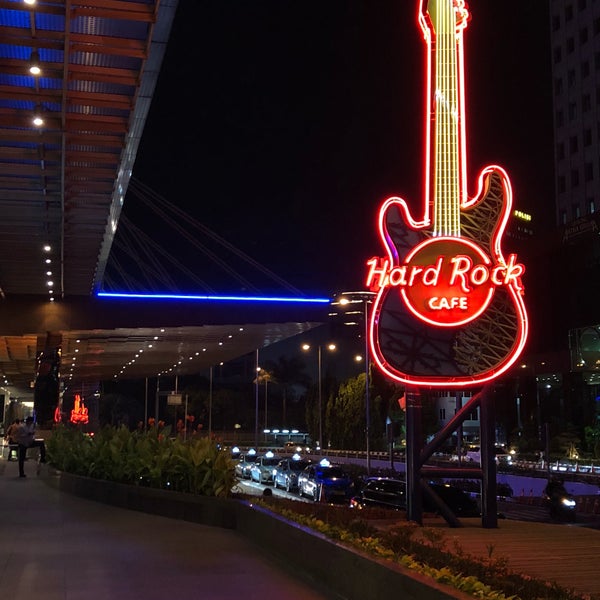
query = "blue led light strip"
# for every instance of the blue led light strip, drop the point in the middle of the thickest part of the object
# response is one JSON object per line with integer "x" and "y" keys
{"x": 212, "y": 298}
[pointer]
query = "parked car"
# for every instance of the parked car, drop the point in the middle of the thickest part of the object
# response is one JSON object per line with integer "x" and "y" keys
{"x": 288, "y": 470}
{"x": 325, "y": 482}
{"x": 263, "y": 467}
{"x": 382, "y": 492}
{"x": 245, "y": 461}
{"x": 390, "y": 493}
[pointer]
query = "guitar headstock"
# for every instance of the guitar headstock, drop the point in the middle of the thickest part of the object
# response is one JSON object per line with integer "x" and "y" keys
{"x": 441, "y": 15}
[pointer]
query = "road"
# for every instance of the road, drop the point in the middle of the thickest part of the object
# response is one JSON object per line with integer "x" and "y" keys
{"x": 516, "y": 509}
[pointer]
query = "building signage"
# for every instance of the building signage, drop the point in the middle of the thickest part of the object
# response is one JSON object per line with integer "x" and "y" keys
{"x": 449, "y": 308}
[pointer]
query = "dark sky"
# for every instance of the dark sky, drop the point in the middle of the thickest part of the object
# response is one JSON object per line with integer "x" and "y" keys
{"x": 283, "y": 124}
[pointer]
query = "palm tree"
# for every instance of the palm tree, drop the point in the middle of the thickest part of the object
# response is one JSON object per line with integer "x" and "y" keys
{"x": 266, "y": 377}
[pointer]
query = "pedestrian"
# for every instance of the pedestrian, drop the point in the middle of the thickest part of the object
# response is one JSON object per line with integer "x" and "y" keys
{"x": 11, "y": 436}
{"x": 26, "y": 439}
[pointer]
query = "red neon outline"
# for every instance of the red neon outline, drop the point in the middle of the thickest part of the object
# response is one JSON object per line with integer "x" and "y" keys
{"x": 515, "y": 291}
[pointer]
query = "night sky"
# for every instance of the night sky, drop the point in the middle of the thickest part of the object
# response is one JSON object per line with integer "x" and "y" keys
{"x": 282, "y": 125}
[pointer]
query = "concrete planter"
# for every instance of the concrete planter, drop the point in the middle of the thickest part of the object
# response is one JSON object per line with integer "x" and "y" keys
{"x": 351, "y": 574}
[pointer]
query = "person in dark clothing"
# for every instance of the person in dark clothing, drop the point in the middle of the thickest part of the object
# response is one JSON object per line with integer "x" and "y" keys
{"x": 555, "y": 487}
{"x": 26, "y": 439}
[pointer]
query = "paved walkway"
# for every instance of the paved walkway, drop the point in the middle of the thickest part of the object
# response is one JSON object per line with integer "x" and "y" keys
{"x": 60, "y": 547}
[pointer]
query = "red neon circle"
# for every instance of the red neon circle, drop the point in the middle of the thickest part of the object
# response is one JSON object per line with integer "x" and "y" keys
{"x": 449, "y": 286}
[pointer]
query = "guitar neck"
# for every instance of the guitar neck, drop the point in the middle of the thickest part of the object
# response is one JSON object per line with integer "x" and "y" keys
{"x": 446, "y": 21}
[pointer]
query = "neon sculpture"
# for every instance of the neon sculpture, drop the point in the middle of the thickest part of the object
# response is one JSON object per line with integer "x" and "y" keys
{"x": 79, "y": 414}
{"x": 449, "y": 308}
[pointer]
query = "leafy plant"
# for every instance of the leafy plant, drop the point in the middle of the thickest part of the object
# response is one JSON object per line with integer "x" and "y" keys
{"x": 151, "y": 459}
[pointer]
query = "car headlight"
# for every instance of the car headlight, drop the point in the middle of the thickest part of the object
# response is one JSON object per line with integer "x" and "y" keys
{"x": 568, "y": 502}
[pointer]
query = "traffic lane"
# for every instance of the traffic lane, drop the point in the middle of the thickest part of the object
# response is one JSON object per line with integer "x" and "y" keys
{"x": 522, "y": 511}
{"x": 253, "y": 488}
{"x": 508, "y": 509}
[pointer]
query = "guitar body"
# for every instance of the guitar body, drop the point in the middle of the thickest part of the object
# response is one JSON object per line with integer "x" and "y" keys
{"x": 414, "y": 351}
{"x": 449, "y": 308}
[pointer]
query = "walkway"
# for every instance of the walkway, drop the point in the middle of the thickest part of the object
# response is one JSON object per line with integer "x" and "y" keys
{"x": 59, "y": 547}
{"x": 561, "y": 552}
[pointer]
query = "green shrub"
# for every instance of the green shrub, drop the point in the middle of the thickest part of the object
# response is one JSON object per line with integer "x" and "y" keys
{"x": 151, "y": 459}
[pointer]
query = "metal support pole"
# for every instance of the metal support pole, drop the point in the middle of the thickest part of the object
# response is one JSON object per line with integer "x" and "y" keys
{"x": 414, "y": 443}
{"x": 146, "y": 406}
{"x": 547, "y": 447}
{"x": 266, "y": 405}
{"x": 320, "y": 401}
{"x": 210, "y": 394}
{"x": 367, "y": 399}
{"x": 185, "y": 419}
{"x": 489, "y": 508}
{"x": 256, "y": 402}
{"x": 459, "y": 430}
{"x": 156, "y": 402}
{"x": 539, "y": 408}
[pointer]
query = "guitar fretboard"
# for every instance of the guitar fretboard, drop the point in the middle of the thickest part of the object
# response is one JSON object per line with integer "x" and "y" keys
{"x": 446, "y": 186}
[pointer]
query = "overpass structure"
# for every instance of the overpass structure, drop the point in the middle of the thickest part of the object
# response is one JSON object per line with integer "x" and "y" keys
{"x": 76, "y": 83}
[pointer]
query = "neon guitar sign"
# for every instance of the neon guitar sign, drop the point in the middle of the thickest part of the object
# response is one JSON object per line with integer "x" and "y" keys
{"x": 449, "y": 308}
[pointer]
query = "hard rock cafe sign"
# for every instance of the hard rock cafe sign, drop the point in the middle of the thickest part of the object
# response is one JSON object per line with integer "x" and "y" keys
{"x": 449, "y": 308}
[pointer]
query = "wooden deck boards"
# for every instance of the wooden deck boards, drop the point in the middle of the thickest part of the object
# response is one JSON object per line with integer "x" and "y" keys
{"x": 567, "y": 554}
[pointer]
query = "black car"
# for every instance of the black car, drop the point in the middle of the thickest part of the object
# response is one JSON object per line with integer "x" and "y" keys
{"x": 382, "y": 492}
{"x": 390, "y": 493}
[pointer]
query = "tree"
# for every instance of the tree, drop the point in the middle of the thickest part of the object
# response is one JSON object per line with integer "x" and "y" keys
{"x": 288, "y": 373}
{"x": 592, "y": 440}
{"x": 566, "y": 441}
{"x": 345, "y": 415}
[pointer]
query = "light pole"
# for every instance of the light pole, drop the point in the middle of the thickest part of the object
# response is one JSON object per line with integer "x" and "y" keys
{"x": 346, "y": 300}
{"x": 331, "y": 348}
{"x": 210, "y": 397}
{"x": 263, "y": 376}
{"x": 256, "y": 403}
{"x": 367, "y": 373}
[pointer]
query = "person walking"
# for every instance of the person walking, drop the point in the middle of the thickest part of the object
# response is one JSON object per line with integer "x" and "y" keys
{"x": 11, "y": 436}
{"x": 26, "y": 439}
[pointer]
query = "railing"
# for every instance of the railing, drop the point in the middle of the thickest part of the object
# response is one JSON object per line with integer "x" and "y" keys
{"x": 584, "y": 469}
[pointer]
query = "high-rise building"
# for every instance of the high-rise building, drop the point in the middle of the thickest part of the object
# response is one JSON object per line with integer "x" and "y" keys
{"x": 575, "y": 55}
{"x": 575, "y": 40}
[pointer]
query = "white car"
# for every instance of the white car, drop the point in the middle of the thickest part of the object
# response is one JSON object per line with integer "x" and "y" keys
{"x": 244, "y": 462}
{"x": 288, "y": 470}
{"x": 263, "y": 469}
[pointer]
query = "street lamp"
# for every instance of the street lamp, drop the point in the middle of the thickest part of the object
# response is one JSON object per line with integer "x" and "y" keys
{"x": 347, "y": 299}
{"x": 331, "y": 348}
{"x": 263, "y": 376}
